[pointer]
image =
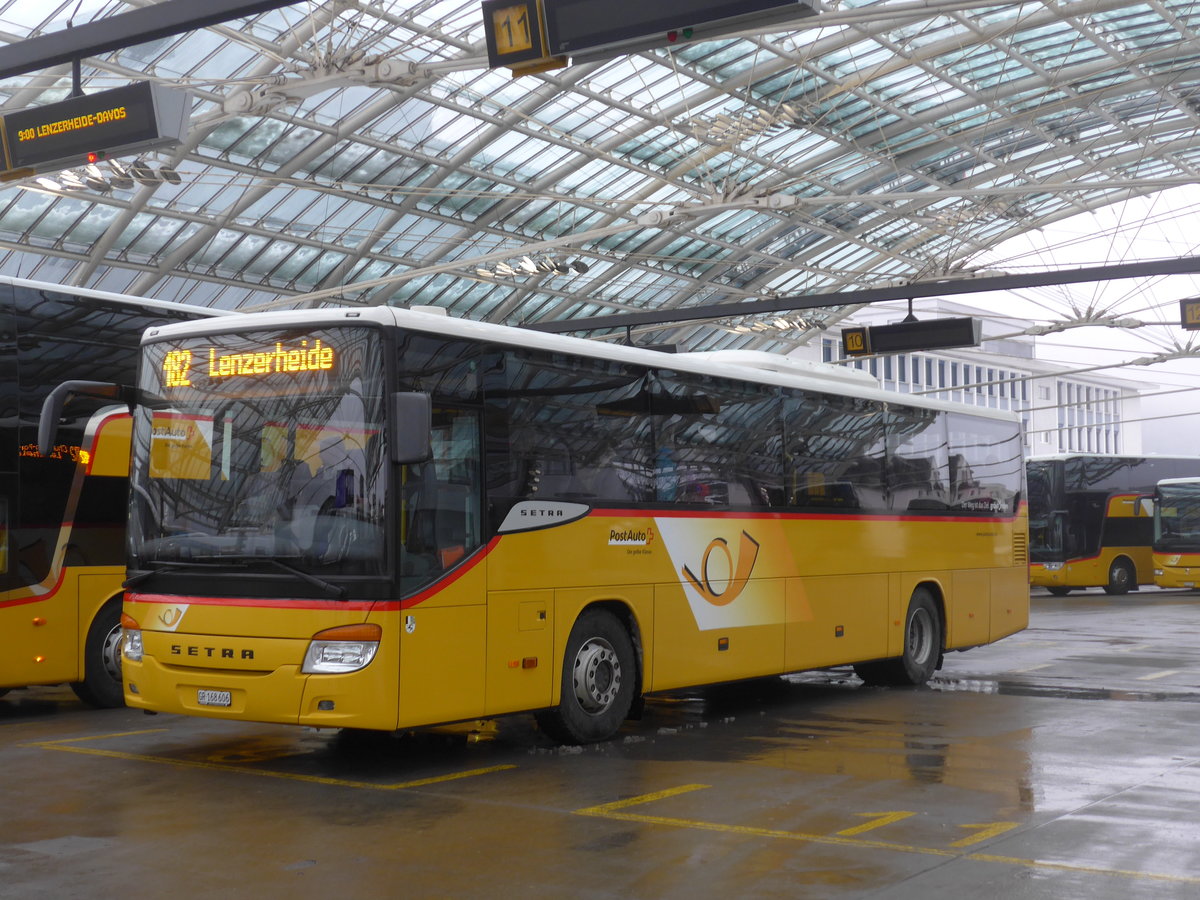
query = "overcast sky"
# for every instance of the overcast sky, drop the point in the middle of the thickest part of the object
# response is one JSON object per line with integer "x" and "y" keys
{"x": 1164, "y": 226}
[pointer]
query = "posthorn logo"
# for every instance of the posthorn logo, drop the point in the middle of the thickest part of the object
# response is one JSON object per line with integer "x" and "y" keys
{"x": 721, "y": 579}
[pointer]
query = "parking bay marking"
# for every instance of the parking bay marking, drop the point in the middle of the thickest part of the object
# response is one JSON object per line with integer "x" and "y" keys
{"x": 65, "y": 746}
{"x": 619, "y": 810}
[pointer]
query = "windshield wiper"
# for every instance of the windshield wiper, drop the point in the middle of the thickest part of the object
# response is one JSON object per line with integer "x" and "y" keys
{"x": 154, "y": 567}
{"x": 333, "y": 590}
{"x": 336, "y": 591}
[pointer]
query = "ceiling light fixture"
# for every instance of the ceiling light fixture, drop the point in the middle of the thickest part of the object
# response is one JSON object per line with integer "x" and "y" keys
{"x": 143, "y": 173}
{"x": 528, "y": 265}
{"x": 97, "y": 184}
{"x": 72, "y": 182}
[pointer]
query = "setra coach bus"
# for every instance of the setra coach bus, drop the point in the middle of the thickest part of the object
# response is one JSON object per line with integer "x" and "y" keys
{"x": 63, "y": 513}
{"x": 381, "y": 518}
{"x": 1090, "y": 520}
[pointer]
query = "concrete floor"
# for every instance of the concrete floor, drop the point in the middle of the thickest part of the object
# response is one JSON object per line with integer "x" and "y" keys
{"x": 1063, "y": 762}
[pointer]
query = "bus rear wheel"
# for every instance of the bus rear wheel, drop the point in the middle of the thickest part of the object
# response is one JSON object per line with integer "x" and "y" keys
{"x": 101, "y": 685}
{"x": 598, "y": 681}
{"x": 1121, "y": 577}
{"x": 922, "y": 647}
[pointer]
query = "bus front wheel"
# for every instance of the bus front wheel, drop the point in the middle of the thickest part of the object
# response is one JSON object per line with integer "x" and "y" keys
{"x": 598, "y": 681}
{"x": 922, "y": 647}
{"x": 101, "y": 684}
{"x": 1121, "y": 577}
{"x": 1057, "y": 591}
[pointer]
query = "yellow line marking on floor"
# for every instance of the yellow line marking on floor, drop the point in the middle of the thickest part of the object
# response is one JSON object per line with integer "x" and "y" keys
{"x": 617, "y": 811}
{"x": 606, "y": 808}
{"x": 1154, "y": 676}
{"x": 984, "y": 832}
{"x": 96, "y": 737}
{"x": 1031, "y": 668}
{"x": 63, "y": 747}
{"x": 878, "y": 820}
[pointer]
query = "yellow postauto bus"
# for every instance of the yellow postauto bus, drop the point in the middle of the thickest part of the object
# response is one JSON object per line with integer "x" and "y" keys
{"x": 382, "y": 518}
{"x": 62, "y": 514}
{"x": 1091, "y": 521}
{"x": 1177, "y": 533}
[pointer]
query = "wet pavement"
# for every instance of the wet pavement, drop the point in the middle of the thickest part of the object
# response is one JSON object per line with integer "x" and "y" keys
{"x": 1063, "y": 762}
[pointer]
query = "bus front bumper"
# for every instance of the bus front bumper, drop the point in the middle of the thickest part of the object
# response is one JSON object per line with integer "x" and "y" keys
{"x": 1048, "y": 574}
{"x": 1172, "y": 577}
{"x": 284, "y": 695}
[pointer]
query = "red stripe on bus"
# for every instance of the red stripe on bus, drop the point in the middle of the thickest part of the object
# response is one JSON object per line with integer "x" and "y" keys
{"x": 357, "y": 605}
{"x": 475, "y": 558}
{"x": 37, "y": 598}
{"x": 100, "y": 426}
{"x": 261, "y": 603}
{"x": 790, "y": 516}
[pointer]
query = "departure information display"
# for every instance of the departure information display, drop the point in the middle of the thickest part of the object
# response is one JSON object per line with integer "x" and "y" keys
{"x": 585, "y": 29}
{"x": 124, "y": 120}
{"x": 534, "y": 35}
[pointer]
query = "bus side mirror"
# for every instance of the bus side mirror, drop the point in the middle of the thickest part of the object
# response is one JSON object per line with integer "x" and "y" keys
{"x": 52, "y": 406}
{"x": 412, "y": 428}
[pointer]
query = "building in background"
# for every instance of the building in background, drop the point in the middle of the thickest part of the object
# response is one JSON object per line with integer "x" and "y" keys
{"x": 1065, "y": 410}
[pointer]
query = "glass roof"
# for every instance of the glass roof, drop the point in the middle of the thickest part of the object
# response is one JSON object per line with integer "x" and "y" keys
{"x": 347, "y": 152}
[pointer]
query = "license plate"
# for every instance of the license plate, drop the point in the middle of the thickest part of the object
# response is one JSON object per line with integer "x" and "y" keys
{"x": 214, "y": 698}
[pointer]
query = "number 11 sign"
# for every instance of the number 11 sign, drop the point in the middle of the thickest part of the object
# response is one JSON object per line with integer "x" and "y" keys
{"x": 516, "y": 36}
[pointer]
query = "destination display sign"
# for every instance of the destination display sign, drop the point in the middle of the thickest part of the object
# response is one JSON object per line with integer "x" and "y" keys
{"x": 122, "y": 121}
{"x": 180, "y": 366}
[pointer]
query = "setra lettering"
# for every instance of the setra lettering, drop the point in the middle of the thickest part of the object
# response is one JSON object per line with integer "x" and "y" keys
{"x": 211, "y": 652}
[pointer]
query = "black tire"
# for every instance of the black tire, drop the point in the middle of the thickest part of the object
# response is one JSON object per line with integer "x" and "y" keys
{"x": 1059, "y": 591}
{"x": 598, "y": 681}
{"x": 101, "y": 685}
{"x": 922, "y": 647}
{"x": 1121, "y": 577}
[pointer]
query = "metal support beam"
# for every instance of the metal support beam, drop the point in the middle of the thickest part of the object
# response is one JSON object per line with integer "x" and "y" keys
{"x": 1187, "y": 265}
{"x": 164, "y": 19}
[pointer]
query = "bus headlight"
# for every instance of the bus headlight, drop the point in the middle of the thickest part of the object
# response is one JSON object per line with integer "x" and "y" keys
{"x": 346, "y": 648}
{"x": 131, "y": 638}
{"x": 1052, "y": 567}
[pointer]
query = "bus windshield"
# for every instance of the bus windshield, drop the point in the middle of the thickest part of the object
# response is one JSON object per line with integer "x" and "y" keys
{"x": 1177, "y": 517}
{"x": 1047, "y": 519}
{"x": 262, "y": 446}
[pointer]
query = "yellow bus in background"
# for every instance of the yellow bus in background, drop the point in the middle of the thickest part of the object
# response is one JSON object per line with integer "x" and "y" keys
{"x": 1177, "y": 533}
{"x": 62, "y": 515}
{"x": 1091, "y": 522}
{"x": 381, "y": 518}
